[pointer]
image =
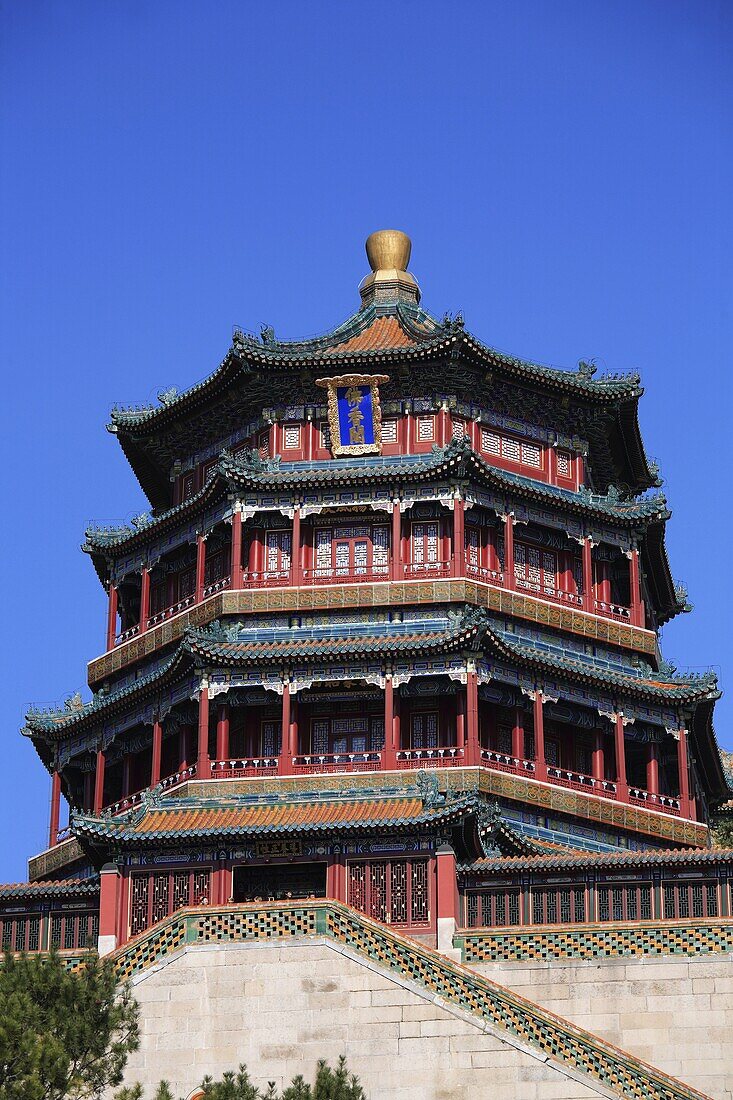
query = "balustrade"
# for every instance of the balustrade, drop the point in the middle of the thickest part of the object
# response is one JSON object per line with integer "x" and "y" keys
{"x": 356, "y": 576}
{"x": 665, "y": 803}
{"x": 218, "y": 585}
{"x": 431, "y": 758}
{"x": 428, "y": 569}
{"x": 501, "y": 762}
{"x": 337, "y": 762}
{"x": 265, "y": 578}
{"x": 565, "y": 777}
{"x": 169, "y": 612}
{"x": 244, "y": 766}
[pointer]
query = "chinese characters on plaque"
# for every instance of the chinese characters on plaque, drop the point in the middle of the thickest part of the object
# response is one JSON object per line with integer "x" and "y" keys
{"x": 354, "y": 414}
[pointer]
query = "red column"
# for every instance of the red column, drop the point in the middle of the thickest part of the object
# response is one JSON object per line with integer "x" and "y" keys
{"x": 200, "y": 566}
{"x": 157, "y": 751}
{"x": 461, "y": 718}
{"x": 509, "y": 581}
{"x": 294, "y": 738}
{"x": 109, "y": 889}
{"x": 622, "y": 786}
{"x": 396, "y": 542}
{"x": 652, "y": 769}
{"x": 459, "y": 517}
{"x": 112, "y": 616}
{"x": 88, "y": 791}
{"x": 99, "y": 782}
{"x": 599, "y": 760}
{"x": 518, "y": 734}
{"x": 285, "y": 762}
{"x": 389, "y": 758}
{"x": 588, "y": 598}
{"x": 447, "y": 897}
{"x": 540, "y": 765}
{"x": 53, "y": 824}
{"x": 127, "y": 774}
{"x": 683, "y": 768}
{"x": 222, "y": 732}
{"x": 295, "y": 571}
{"x": 203, "y": 762}
{"x": 236, "y": 555}
{"x": 184, "y": 745}
{"x": 144, "y": 599}
{"x": 473, "y": 751}
{"x": 637, "y": 617}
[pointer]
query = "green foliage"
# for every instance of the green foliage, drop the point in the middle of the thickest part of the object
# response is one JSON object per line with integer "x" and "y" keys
{"x": 330, "y": 1084}
{"x": 723, "y": 830}
{"x": 63, "y": 1036}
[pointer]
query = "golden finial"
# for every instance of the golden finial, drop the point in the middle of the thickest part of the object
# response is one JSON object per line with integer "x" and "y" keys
{"x": 388, "y": 250}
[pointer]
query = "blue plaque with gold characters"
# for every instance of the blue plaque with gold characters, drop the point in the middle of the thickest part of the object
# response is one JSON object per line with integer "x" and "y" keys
{"x": 354, "y": 414}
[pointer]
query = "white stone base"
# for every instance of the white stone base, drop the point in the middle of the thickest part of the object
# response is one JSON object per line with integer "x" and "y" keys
{"x": 446, "y": 932}
{"x": 106, "y": 944}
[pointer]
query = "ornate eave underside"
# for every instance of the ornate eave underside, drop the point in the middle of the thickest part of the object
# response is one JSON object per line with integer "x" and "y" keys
{"x": 473, "y": 633}
{"x": 254, "y": 376}
{"x": 644, "y": 519}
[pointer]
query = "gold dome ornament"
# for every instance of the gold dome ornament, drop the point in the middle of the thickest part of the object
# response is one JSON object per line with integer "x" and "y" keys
{"x": 388, "y": 252}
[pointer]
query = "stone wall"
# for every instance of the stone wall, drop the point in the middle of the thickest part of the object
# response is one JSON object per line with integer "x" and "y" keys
{"x": 280, "y": 1007}
{"x": 675, "y": 1012}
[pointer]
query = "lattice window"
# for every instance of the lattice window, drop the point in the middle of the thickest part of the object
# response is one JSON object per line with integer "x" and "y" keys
{"x": 577, "y": 570}
{"x": 353, "y": 734}
{"x": 7, "y": 937}
{"x": 263, "y": 444}
{"x": 55, "y": 931}
{"x": 376, "y": 734}
{"x": 564, "y": 467}
{"x": 325, "y": 435}
{"x": 271, "y": 738}
{"x": 491, "y": 442}
{"x": 535, "y": 569}
{"x": 160, "y": 897}
{"x": 378, "y": 891}
{"x": 458, "y": 429}
{"x": 69, "y": 932}
{"x": 320, "y": 731}
{"x": 188, "y": 486}
{"x": 493, "y": 908}
{"x": 690, "y": 899}
{"x": 504, "y": 739}
{"x": 624, "y": 901}
{"x": 180, "y": 889}
{"x": 558, "y": 904}
{"x": 139, "y": 903}
{"x": 291, "y": 437}
{"x": 20, "y": 930}
{"x": 380, "y": 549}
{"x": 392, "y": 891}
{"x": 473, "y": 543}
{"x": 584, "y": 758}
{"x": 425, "y": 429}
{"x": 323, "y": 550}
{"x": 420, "y": 900}
{"x": 531, "y": 455}
{"x": 424, "y": 730}
{"x": 201, "y": 886}
{"x": 358, "y": 886}
{"x": 277, "y": 551}
{"x": 389, "y": 432}
{"x": 425, "y": 544}
{"x": 552, "y": 753}
{"x": 398, "y": 908}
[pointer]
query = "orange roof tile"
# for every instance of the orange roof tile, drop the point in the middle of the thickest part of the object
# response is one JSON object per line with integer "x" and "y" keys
{"x": 384, "y": 332}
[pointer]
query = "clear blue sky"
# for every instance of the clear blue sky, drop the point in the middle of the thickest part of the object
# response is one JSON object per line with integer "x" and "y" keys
{"x": 170, "y": 169}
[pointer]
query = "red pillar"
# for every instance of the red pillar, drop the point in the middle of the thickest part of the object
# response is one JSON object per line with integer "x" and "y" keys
{"x": 518, "y": 734}
{"x": 222, "y": 732}
{"x": 540, "y": 764}
{"x": 459, "y": 518}
{"x": 99, "y": 782}
{"x": 184, "y": 745}
{"x": 144, "y": 599}
{"x": 652, "y": 768}
{"x": 509, "y": 580}
{"x": 200, "y": 566}
{"x": 622, "y": 786}
{"x": 127, "y": 774}
{"x": 88, "y": 791}
{"x": 683, "y": 768}
{"x": 157, "y": 751}
{"x": 112, "y": 617}
{"x": 236, "y": 554}
{"x": 396, "y": 542}
{"x": 447, "y": 897}
{"x": 599, "y": 760}
{"x": 295, "y": 570}
{"x": 203, "y": 761}
{"x": 588, "y": 598}
{"x": 473, "y": 753}
{"x": 285, "y": 762}
{"x": 109, "y": 889}
{"x": 53, "y": 824}
{"x": 637, "y": 617}
{"x": 389, "y": 758}
{"x": 294, "y": 739}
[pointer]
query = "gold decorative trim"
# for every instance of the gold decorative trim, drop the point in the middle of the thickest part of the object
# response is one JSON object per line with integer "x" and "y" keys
{"x": 373, "y": 381}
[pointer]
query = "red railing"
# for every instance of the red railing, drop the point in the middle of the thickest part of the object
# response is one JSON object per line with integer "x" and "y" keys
{"x": 169, "y": 612}
{"x": 665, "y": 803}
{"x": 556, "y": 595}
{"x": 129, "y": 801}
{"x": 248, "y": 765}
{"x": 331, "y": 576}
{"x": 337, "y": 762}
{"x": 612, "y": 611}
{"x": 266, "y": 578}
{"x": 428, "y": 569}
{"x": 490, "y": 576}
{"x": 431, "y": 758}
{"x": 501, "y": 762}
{"x": 564, "y": 777}
{"x": 219, "y": 585}
{"x": 126, "y": 635}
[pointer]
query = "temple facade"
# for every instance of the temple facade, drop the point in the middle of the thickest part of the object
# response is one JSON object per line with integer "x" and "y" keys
{"x": 387, "y": 634}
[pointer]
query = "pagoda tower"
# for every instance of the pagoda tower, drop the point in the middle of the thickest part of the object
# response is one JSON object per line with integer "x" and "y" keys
{"x": 387, "y": 634}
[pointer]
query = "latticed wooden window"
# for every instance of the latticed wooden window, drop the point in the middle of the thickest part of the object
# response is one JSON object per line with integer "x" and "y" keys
{"x": 504, "y": 739}
{"x": 425, "y": 544}
{"x": 424, "y": 730}
{"x": 558, "y": 904}
{"x": 291, "y": 437}
{"x": 392, "y": 891}
{"x": 473, "y": 544}
{"x": 425, "y": 429}
{"x": 7, "y": 936}
{"x": 349, "y": 734}
{"x": 271, "y": 738}
{"x": 277, "y": 551}
{"x": 188, "y": 485}
{"x": 380, "y": 549}
{"x": 535, "y": 569}
{"x": 564, "y": 467}
{"x": 624, "y": 901}
{"x": 690, "y": 899}
{"x": 531, "y": 455}
{"x": 157, "y": 895}
{"x": 458, "y": 429}
{"x": 389, "y": 432}
{"x": 325, "y": 435}
{"x": 494, "y": 908}
{"x": 491, "y": 442}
